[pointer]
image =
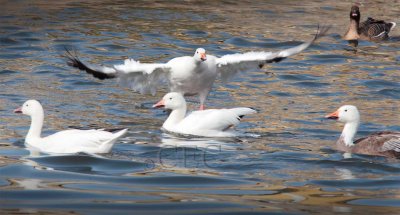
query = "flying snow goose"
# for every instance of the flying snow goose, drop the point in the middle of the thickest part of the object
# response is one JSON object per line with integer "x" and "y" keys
{"x": 206, "y": 123}
{"x": 68, "y": 141}
{"x": 386, "y": 143}
{"x": 371, "y": 29}
{"x": 188, "y": 75}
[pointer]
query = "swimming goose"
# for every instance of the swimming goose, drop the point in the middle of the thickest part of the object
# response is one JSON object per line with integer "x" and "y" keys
{"x": 188, "y": 75}
{"x": 386, "y": 143}
{"x": 371, "y": 29}
{"x": 206, "y": 123}
{"x": 68, "y": 141}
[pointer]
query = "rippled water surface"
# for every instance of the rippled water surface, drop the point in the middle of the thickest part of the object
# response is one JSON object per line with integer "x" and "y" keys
{"x": 286, "y": 165}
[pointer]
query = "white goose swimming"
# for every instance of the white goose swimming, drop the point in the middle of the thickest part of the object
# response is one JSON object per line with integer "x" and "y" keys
{"x": 68, "y": 141}
{"x": 206, "y": 123}
{"x": 188, "y": 75}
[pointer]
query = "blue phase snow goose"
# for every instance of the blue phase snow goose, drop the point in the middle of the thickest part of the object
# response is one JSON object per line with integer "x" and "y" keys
{"x": 385, "y": 143}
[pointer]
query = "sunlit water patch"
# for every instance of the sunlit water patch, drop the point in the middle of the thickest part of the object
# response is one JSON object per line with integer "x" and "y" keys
{"x": 285, "y": 162}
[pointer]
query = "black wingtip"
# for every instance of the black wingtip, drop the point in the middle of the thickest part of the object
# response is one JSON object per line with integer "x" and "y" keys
{"x": 321, "y": 31}
{"x": 112, "y": 130}
{"x": 275, "y": 60}
{"x": 254, "y": 109}
{"x": 73, "y": 61}
{"x": 241, "y": 116}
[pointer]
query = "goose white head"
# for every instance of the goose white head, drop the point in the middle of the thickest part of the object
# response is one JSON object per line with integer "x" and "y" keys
{"x": 30, "y": 108}
{"x": 346, "y": 114}
{"x": 171, "y": 101}
{"x": 200, "y": 54}
{"x": 33, "y": 109}
{"x": 349, "y": 115}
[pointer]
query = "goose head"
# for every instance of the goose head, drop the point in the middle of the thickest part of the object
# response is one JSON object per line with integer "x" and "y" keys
{"x": 200, "y": 55}
{"x": 171, "y": 101}
{"x": 355, "y": 13}
{"x": 30, "y": 108}
{"x": 346, "y": 114}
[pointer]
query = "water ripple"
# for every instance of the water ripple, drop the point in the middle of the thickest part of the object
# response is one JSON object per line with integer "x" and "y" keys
{"x": 286, "y": 161}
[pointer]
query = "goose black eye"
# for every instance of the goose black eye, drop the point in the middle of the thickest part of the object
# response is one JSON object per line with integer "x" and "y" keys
{"x": 170, "y": 98}
{"x": 345, "y": 110}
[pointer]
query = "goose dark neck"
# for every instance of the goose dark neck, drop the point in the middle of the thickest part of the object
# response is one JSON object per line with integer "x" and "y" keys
{"x": 354, "y": 24}
{"x": 352, "y": 31}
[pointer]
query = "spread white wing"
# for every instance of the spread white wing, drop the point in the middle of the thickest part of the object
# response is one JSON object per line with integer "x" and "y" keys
{"x": 143, "y": 78}
{"x": 229, "y": 65}
{"x": 140, "y": 77}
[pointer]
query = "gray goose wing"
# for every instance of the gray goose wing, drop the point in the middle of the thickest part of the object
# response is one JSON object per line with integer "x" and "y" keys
{"x": 392, "y": 144}
{"x": 386, "y": 143}
{"x": 376, "y": 29}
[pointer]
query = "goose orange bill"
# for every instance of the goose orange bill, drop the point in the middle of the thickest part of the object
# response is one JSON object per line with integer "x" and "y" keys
{"x": 334, "y": 115}
{"x": 159, "y": 104}
{"x": 18, "y": 110}
{"x": 203, "y": 56}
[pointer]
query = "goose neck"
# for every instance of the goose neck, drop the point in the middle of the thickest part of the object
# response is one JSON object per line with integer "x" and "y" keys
{"x": 354, "y": 25}
{"x": 175, "y": 116}
{"x": 348, "y": 133}
{"x": 36, "y": 126}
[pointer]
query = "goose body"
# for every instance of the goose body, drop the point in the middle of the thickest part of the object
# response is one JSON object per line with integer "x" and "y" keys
{"x": 386, "y": 143}
{"x": 207, "y": 123}
{"x": 67, "y": 141}
{"x": 188, "y": 75}
{"x": 371, "y": 29}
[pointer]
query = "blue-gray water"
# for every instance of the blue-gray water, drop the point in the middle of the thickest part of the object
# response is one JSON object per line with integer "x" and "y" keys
{"x": 291, "y": 168}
